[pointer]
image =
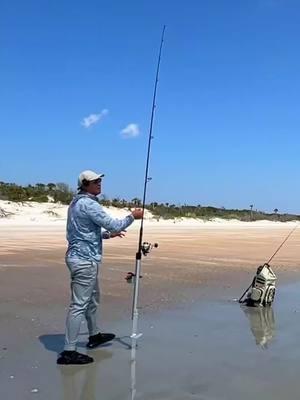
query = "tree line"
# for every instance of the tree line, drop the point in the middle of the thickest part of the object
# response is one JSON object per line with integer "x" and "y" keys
{"x": 40, "y": 192}
{"x": 61, "y": 192}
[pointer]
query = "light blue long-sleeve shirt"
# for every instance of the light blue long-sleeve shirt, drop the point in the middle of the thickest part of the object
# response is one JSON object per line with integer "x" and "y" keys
{"x": 86, "y": 218}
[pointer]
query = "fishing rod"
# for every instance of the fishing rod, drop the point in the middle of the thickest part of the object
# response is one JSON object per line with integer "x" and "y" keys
{"x": 144, "y": 247}
{"x": 291, "y": 232}
{"x": 267, "y": 264}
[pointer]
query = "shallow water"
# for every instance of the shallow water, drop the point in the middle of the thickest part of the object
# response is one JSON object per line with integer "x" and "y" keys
{"x": 213, "y": 350}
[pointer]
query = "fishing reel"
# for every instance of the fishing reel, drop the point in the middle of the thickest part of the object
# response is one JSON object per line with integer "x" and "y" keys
{"x": 147, "y": 247}
{"x": 130, "y": 277}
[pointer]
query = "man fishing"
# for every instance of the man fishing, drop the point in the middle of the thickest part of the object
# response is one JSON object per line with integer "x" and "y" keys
{"x": 87, "y": 225}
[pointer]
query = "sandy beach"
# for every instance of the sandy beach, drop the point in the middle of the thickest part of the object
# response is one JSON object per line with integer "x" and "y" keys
{"x": 188, "y": 286}
{"x": 184, "y": 118}
{"x": 192, "y": 258}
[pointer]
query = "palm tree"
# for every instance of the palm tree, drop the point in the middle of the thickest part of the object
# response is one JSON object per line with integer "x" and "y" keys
{"x": 115, "y": 202}
{"x": 123, "y": 203}
{"x": 51, "y": 186}
{"x": 153, "y": 205}
{"x": 251, "y": 212}
{"x": 136, "y": 201}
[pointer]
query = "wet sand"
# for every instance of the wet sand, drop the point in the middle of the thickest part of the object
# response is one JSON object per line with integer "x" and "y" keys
{"x": 213, "y": 350}
{"x": 197, "y": 343}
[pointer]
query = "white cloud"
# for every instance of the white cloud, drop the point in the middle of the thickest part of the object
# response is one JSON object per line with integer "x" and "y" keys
{"x": 131, "y": 130}
{"x": 93, "y": 119}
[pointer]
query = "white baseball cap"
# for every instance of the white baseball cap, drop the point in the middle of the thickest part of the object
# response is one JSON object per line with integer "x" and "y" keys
{"x": 88, "y": 176}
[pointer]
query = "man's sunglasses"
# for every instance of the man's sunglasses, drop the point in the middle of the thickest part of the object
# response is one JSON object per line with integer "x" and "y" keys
{"x": 99, "y": 180}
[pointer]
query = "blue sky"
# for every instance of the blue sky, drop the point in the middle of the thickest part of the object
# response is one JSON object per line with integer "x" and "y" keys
{"x": 75, "y": 74}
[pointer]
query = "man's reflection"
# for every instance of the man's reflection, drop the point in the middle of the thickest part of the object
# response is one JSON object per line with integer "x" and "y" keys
{"x": 262, "y": 324}
{"x": 79, "y": 382}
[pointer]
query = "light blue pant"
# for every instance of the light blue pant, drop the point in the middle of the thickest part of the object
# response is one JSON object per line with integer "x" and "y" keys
{"x": 84, "y": 301}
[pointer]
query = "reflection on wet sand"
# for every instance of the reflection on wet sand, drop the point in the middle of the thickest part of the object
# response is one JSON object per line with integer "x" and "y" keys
{"x": 79, "y": 382}
{"x": 133, "y": 368}
{"x": 262, "y": 324}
